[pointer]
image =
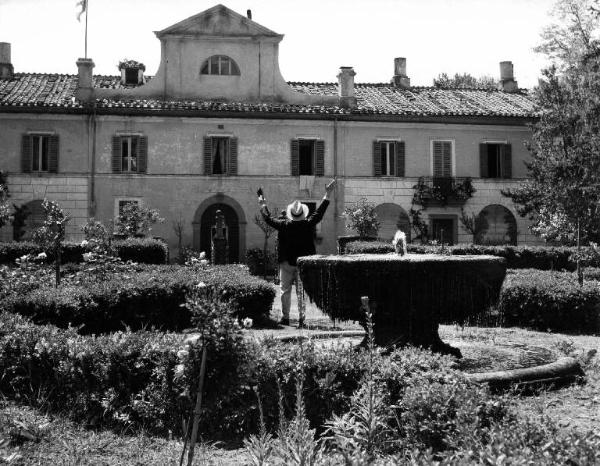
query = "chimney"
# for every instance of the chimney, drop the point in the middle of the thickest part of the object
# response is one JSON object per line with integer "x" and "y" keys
{"x": 507, "y": 80}
{"x": 249, "y": 14}
{"x": 400, "y": 79}
{"x": 346, "y": 87}
{"x": 85, "y": 88}
{"x": 6, "y": 68}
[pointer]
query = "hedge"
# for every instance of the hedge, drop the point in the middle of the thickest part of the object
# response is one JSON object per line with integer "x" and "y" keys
{"x": 150, "y": 296}
{"x": 517, "y": 257}
{"x": 550, "y": 301}
{"x": 142, "y": 250}
{"x": 127, "y": 379}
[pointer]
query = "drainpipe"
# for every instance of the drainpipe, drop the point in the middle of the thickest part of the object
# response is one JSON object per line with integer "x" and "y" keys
{"x": 335, "y": 174}
{"x": 92, "y": 205}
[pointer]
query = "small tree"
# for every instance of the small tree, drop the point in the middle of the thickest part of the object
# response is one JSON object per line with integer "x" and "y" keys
{"x": 94, "y": 230}
{"x": 267, "y": 232}
{"x": 464, "y": 81}
{"x": 362, "y": 218}
{"x": 135, "y": 220}
{"x": 51, "y": 234}
{"x": 178, "y": 226}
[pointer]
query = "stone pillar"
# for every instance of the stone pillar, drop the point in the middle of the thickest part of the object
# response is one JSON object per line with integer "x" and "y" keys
{"x": 346, "y": 87}
{"x": 400, "y": 78}
{"x": 85, "y": 86}
{"x": 219, "y": 247}
{"x": 507, "y": 78}
{"x": 7, "y": 70}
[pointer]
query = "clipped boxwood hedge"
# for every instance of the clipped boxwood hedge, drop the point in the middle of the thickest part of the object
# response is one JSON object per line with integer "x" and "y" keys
{"x": 149, "y": 297}
{"x": 142, "y": 250}
{"x": 550, "y": 301}
{"x": 517, "y": 257}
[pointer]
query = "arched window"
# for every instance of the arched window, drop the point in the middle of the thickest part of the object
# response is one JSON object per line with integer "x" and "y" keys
{"x": 221, "y": 65}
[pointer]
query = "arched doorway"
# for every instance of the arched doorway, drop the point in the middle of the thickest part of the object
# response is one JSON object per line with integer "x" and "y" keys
{"x": 499, "y": 226}
{"x": 392, "y": 217}
{"x": 204, "y": 221}
{"x": 33, "y": 217}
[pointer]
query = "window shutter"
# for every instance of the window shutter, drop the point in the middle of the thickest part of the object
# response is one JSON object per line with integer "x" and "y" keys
{"x": 447, "y": 161}
{"x": 142, "y": 159}
{"x": 483, "y": 161}
{"x": 438, "y": 169}
{"x": 295, "y": 157}
{"x": 320, "y": 158}
{"x": 507, "y": 161}
{"x": 376, "y": 158}
{"x": 400, "y": 159}
{"x": 53, "y": 154}
{"x": 207, "y": 156}
{"x": 116, "y": 154}
{"x": 26, "y": 153}
{"x": 233, "y": 157}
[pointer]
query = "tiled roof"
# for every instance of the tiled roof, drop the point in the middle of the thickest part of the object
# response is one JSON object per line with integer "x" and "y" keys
{"x": 57, "y": 90}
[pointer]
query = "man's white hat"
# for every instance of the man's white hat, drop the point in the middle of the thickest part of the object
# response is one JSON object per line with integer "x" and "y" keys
{"x": 297, "y": 211}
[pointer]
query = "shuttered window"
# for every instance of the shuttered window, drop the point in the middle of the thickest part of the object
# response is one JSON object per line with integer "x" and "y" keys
{"x": 495, "y": 160}
{"x": 388, "y": 158}
{"x": 39, "y": 153}
{"x": 307, "y": 157}
{"x": 220, "y": 155}
{"x": 129, "y": 154}
{"x": 442, "y": 158}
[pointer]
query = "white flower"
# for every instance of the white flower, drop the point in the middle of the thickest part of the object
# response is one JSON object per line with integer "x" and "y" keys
{"x": 202, "y": 255}
{"x": 247, "y": 322}
{"x": 41, "y": 256}
{"x": 182, "y": 353}
{"x": 88, "y": 256}
{"x": 191, "y": 339}
{"x": 201, "y": 285}
{"x": 84, "y": 242}
{"x": 179, "y": 368}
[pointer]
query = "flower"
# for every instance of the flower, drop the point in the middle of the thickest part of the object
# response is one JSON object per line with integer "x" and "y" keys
{"x": 41, "y": 256}
{"x": 88, "y": 256}
{"x": 191, "y": 339}
{"x": 182, "y": 353}
{"x": 84, "y": 242}
{"x": 247, "y": 322}
{"x": 179, "y": 368}
{"x": 201, "y": 285}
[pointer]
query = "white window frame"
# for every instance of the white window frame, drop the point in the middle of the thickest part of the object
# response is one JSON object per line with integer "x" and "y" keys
{"x": 129, "y": 138}
{"x": 452, "y": 155}
{"x": 118, "y": 200}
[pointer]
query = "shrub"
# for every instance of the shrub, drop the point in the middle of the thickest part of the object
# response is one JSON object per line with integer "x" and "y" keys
{"x": 362, "y": 218}
{"x": 554, "y": 301}
{"x": 255, "y": 260}
{"x": 135, "y": 219}
{"x": 142, "y": 250}
{"x": 369, "y": 247}
{"x": 138, "y": 297}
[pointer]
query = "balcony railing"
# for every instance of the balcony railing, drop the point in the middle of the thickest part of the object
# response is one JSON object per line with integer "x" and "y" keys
{"x": 442, "y": 190}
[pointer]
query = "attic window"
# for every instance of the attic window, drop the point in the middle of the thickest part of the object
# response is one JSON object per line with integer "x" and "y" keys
{"x": 132, "y": 72}
{"x": 220, "y": 65}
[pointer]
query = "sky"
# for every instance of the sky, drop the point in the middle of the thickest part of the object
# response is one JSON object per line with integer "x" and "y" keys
{"x": 435, "y": 36}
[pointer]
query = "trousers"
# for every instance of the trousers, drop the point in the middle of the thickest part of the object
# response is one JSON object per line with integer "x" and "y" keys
{"x": 288, "y": 276}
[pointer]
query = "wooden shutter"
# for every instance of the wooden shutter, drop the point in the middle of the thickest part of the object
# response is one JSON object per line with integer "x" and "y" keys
{"x": 376, "y": 158}
{"x": 295, "y": 157}
{"x": 400, "y": 159}
{"x": 232, "y": 165}
{"x": 483, "y": 161}
{"x": 116, "y": 154}
{"x": 142, "y": 156}
{"x": 53, "y": 153}
{"x": 506, "y": 161}
{"x": 447, "y": 159}
{"x": 438, "y": 150}
{"x": 319, "y": 157}
{"x": 207, "y": 156}
{"x": 26, "y": 153}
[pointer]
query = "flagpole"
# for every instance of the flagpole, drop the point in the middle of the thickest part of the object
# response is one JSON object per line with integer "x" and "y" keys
{"x": 86, "y": 25}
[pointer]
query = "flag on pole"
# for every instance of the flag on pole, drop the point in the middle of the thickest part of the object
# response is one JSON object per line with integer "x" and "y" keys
{"x": 83, "y": 5}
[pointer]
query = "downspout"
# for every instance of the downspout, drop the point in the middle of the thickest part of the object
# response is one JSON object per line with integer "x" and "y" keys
{"x": 335, "y": 175}
{"x": 92, "y": 205}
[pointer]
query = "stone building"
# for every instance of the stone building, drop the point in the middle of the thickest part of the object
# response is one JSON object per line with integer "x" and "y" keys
{"x": 218, "y": 120}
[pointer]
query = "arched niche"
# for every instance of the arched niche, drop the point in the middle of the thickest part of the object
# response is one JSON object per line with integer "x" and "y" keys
{"x": 392, "y": 217}
{"x": 498, "y": 226}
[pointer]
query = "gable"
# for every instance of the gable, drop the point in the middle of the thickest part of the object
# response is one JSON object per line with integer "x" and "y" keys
{"x": 218, "y": 21}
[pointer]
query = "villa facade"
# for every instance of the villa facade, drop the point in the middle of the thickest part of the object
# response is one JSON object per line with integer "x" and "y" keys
{"x": 218, "y": 120}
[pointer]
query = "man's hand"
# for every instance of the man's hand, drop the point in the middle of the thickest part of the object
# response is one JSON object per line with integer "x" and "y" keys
{"x": 329, "y": 188}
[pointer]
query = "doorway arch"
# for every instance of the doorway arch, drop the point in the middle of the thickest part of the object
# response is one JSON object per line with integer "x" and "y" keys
{"x": 392, "y": 217}
{"x": 235, "y": 222}
{"x": 500, "y": 226}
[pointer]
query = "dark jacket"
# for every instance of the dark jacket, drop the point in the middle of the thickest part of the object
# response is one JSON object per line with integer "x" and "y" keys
{"x": 295, "y": 237}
